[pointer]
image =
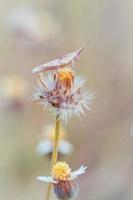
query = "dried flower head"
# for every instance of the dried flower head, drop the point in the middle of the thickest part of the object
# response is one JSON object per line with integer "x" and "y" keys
{"x": 45, "y": 145}
{"x": 63, "y": 180}
{"x": 63, "y": 93}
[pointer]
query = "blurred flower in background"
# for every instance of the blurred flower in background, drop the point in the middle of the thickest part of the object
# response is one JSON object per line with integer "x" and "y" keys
{"x": 45, "y": 146}
{"x": 13, "y": 90}
{"x": 31, "y": 28}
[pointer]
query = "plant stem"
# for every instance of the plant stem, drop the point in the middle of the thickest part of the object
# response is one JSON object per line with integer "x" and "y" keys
{"x": 56, "y": 140}
{"x": 55, "y": 150}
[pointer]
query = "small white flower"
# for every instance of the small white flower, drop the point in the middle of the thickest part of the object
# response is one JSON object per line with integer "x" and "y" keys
{"x": 45, "y": 146}
{"x": 63, "y": 180}
{"x": 74, "y": 175}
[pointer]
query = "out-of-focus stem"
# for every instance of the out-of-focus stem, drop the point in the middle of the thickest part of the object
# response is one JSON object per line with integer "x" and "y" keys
{"x": 48, "y": 192}
{"x": 55, "y": 150}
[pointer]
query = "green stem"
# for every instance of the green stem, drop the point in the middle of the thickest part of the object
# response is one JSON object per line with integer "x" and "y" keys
{"x": 55, "y": 150}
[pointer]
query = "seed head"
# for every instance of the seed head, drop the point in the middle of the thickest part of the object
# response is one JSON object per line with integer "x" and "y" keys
{"x": 63, "y": 93}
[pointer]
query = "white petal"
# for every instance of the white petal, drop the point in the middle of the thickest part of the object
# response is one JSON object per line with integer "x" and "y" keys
{"x": 47, "y": 179}
{"x": 78, "y": 172}
{"x": 44, "y": 147}
{"x": 65, "y": 147}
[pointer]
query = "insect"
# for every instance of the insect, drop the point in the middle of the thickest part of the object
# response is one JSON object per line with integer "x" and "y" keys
{"x": 66, "y": 60}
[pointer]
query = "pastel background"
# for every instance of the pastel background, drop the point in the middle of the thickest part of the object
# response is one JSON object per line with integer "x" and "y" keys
{"x": 33, "y": 32}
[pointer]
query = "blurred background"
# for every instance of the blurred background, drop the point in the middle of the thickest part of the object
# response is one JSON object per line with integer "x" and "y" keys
{"x": 34, "y": 32}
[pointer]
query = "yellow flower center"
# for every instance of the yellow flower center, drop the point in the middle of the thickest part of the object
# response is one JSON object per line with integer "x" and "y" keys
{"x": 64, "y": 77}
{"x": 61, "y": 171}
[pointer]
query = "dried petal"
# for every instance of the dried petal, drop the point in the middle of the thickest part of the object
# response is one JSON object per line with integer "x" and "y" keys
{"x": 78, "y": 172}
{"x": 47, "y": 179}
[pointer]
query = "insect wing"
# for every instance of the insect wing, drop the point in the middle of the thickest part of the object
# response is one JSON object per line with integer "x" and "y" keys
{"x": 59, "y": 62}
